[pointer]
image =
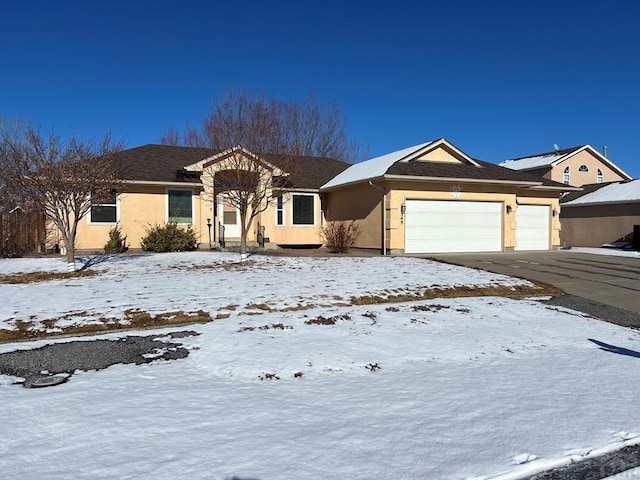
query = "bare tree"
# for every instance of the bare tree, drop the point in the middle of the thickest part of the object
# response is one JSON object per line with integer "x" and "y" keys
{"x": 241, "y": 127}
{"x": 61, "y": 178}
{"x": 304, "y": 128}
{"x": 259, "y": 138}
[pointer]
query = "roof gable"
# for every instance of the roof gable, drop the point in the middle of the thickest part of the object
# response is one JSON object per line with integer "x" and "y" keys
{"x": 370, "y": 169}
{"x": 421, "y": 162}
{"x": 166, "y": 164}
{"x": 552, "y": 159}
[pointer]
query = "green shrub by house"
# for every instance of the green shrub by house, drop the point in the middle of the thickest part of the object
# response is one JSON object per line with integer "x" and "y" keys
{"x": 170, "y": 238}
{"x": 117, "y": 243}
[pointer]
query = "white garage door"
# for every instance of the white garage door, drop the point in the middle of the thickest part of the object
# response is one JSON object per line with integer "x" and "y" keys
{"x": 532, "y": 230}
{"x": 435, "y": 226}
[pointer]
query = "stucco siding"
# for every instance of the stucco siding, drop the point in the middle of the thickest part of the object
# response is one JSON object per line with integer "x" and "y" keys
{"x": 361, "y": 203}
{"x": 578, "y": 178}
{"x": 138, "y": 210}
{"x": 288, "y": 233}
{"x": 595, "y": 225}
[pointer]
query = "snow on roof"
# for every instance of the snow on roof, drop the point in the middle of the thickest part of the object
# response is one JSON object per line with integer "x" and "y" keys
{"x": 536, "y": 161}
{"x": 372, "y": 168}
{"x": 614, "y": 193}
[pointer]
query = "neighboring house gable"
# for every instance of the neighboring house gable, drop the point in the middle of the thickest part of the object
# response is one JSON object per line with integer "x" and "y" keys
{"x": 602, "y": 214}
{"x": 575, "y": 166}
{"x": 433, "y": 197}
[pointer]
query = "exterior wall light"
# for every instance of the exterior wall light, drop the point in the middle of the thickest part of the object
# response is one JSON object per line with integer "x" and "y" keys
{"x": 554, "y": 212}
{"x": 509, "y": 209}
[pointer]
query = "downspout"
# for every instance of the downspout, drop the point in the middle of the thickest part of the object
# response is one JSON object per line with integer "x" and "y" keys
{"x": 384, "y": 216}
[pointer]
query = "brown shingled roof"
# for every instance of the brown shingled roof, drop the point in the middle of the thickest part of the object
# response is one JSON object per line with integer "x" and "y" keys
{"x": 165, "y": 163}
{"x": 158, "y": 163}
{"x": 486, "y": 171}
{"x": 307, "y": 172}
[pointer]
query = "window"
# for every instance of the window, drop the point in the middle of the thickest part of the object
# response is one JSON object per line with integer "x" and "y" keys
{"x": 104, "y": 209}
{"x": 583, "y": 168}
{"x": 303, "y": 210}
{"x": 600, "y": 177}
{"x": 566, "y": 176}
{"x": 279, "y": 210}
{"x": 229, "y": 215}
{"x": 180, "y": 206}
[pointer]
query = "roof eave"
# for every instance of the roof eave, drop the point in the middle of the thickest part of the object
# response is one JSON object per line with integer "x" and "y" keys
{"x": 349, "y": 184}
{"x": 413, "y": 178}
{"x": 161, "y": 183}
{"x": 563, "y": 188}
{"x": 595, "y": 204}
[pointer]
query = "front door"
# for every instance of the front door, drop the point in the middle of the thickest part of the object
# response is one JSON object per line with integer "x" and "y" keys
{"x": 229, "y": 218}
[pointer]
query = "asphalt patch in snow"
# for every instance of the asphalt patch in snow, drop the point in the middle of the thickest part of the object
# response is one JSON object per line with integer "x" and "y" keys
{"x": 595, "y": 468}
{"x": 608, "y": 313}
{"x": 67, "y": 357}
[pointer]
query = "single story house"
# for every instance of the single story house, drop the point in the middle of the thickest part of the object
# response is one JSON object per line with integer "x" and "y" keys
{"x": 423, "y": 199}
{"x": 575, "y": 166}
{"x": 602, "y": 214}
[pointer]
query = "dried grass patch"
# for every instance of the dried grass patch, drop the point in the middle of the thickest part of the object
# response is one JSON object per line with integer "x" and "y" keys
{"x": 32, "y": 277}
{"x": 136, "y": 319}
{"x": 515, "y": 291}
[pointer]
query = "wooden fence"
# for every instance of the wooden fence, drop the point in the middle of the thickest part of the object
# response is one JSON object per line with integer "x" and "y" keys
{"x": 21, "y": 233}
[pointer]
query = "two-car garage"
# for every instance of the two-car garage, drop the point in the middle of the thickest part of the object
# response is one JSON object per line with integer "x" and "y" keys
{"x": 441, "y": 226}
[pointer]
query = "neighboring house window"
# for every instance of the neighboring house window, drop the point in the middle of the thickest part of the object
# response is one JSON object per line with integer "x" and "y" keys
{"x": 180, "y": 206}
{"x": 104, "y": 210}
{"x": 600, "y": 177}
{"x": 583, "y": 168}
{"x": 566, "y": 176}
{"x": 279, "y": 210}
{"x": 303, "y": 209}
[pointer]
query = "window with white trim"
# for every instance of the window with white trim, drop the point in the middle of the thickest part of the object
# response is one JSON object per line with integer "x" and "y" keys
{"x": 583, "y": 168}
{"x": 566, "y": 177}
{"x": 599, "y": 177}
{"x": 303, "y": 209}
{"x": 179, "y": 206}
{"x": 104, "y": 209}
{"x": 279, "y": 210}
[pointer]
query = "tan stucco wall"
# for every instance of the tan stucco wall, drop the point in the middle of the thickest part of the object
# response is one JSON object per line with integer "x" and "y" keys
{"x": 593, "y": 226}
{"x": 139, "y": 209}
{"x": 289, "y": 234}
{"x": 362, "y": 204}
{"x": 440, "y": 154}
{"x": 577, "y": 178}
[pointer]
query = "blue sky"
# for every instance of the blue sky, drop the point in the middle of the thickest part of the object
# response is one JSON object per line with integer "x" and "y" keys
{"x": 499, "y": 79}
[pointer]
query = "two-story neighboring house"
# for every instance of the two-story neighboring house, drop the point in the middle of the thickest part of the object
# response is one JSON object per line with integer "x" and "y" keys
{"x": 574, "y": 166}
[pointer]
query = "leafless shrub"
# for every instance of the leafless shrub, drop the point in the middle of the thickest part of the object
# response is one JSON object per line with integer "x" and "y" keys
{"x": 327, "y": 321}
{"x": 340, "y": 237}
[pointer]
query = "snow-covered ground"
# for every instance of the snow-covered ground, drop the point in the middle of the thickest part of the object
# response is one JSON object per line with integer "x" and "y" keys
{"x": 604, "y": 251}
{"x": 467, "y": 388}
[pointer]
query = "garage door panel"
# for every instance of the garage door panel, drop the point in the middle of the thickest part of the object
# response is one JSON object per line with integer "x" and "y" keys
{"x": 532, "y": 230}
{"x": 435, "y": 226}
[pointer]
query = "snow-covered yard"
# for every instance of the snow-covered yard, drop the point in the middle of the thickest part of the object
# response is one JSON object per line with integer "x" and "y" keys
{"x": 301, "y": 382}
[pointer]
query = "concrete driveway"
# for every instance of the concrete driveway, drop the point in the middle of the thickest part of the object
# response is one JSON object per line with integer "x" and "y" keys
{"x": 605, "y": 279}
